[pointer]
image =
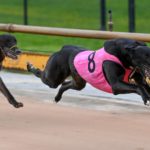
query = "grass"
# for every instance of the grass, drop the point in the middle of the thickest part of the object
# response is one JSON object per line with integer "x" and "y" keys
{"x": 70, "y": 14}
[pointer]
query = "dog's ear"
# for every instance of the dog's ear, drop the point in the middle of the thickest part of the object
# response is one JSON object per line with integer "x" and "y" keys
{"x": 110, "y": 44}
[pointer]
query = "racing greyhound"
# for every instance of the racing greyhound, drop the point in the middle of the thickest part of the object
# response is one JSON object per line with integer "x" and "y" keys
{"x": 107, "y": 69}
{"x": 8, "y": 48}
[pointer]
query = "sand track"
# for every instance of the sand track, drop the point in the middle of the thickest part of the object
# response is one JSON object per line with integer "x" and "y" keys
{"x": 77, "y": 123}
{"x": 45, "y": 126}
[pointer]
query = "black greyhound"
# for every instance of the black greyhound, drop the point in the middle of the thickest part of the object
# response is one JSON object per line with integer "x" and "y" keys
{"x": 131, "y": 54}
{"x": 8, "y": 48}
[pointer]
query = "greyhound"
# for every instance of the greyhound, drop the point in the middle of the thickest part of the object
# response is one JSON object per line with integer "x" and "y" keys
{"x": 8, "y": 48}
{"x": 108, "y": 69}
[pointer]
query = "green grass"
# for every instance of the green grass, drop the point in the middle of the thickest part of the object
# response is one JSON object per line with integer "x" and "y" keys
{"x": 81, "y": 14}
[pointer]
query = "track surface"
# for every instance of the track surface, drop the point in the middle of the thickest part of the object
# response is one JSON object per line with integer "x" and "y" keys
{"x": 80, "y": 121}
{"x": 32, "y": 87}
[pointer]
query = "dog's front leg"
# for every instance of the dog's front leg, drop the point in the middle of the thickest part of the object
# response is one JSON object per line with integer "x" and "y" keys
{"x": 121, "y": 87}
{"x": 114, "y": 74}
{"x": 8, "y": 95}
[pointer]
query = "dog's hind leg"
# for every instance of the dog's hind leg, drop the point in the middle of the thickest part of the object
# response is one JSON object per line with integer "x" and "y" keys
{"x": 37, "y": 72}
{"x": 52, "y": 78}
{"x": 73, "y": 84}
{"x": 66, "y": 82}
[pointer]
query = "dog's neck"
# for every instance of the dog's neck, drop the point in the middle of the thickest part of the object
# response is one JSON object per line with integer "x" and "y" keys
{"x": 122, "y": 55}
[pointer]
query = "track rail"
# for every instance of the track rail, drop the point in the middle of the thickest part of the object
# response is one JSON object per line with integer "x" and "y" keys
{"x": 95, "y": 34}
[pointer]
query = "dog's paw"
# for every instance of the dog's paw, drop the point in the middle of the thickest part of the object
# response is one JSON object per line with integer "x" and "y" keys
{"x": 57, "y": 98}
{"x": 29, "y": 66}
{"x": 18, "y": 105}
{"x": 15, "y": 103}
{"x": 147, "y": 103}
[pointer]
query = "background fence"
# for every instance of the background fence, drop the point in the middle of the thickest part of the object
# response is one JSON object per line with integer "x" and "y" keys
{"x": 83, "y": 14}
{"x": 79, "y": 14}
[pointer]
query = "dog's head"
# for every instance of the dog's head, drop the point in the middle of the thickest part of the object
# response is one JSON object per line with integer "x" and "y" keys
{"x": 8, "y": 46}
{"x": 140, "y": 57}
{"x": 135, "y": 52}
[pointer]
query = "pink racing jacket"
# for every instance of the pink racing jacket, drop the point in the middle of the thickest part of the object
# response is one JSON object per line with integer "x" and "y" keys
{"x": 89, "y": 65}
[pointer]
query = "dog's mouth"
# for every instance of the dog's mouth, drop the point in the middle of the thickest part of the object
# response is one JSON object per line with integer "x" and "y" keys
{"x": 144, "y": 70}
{"x": 13, "y": 54}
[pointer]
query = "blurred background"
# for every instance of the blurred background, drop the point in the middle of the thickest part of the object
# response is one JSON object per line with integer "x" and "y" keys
{"x": 78, "y": 14}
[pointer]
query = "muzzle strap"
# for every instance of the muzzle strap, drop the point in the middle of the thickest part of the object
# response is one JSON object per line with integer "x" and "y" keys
{"x": 14, "y": 46}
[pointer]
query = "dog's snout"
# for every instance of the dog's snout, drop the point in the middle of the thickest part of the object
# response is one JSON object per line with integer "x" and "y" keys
{"x": 18, "y": 51}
